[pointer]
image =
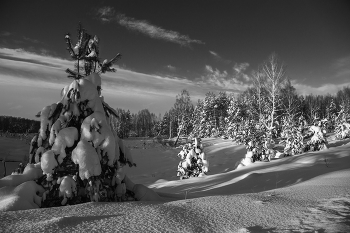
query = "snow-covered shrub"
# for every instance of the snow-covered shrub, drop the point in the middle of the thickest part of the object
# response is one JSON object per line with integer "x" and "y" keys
{"x": 292, "y": 136}
{"x": 193, "y": 161}
{"x": 342, "y": 130}
{"x": 342, "y": 126}
{"x": 318, "y": 140}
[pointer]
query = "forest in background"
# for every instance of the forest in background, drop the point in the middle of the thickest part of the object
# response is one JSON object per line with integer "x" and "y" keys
{"x": 9, "y": 124}
{"x": 271, "y": 102}
{"x": 213, "y": 115}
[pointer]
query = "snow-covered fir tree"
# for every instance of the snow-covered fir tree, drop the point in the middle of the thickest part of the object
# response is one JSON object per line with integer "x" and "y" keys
{"x": 292, "y": 136}
{"x": 342, "y": 122}
{"x": 77, "y": 148}
{"x": 193, "y": 161}
{"x": 331, "y": 114}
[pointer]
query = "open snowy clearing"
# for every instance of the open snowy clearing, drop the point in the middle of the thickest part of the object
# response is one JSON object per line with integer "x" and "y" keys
{"x": 308, "y": 192}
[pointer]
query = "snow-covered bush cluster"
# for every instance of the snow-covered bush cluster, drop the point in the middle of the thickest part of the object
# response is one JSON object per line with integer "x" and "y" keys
{"x": 292, "y": 136}
{"x": 342, "y": 123}
{"x": 318, "y": 140}
{"x": 261, "y": 150}
{"x": 194, "y": 162}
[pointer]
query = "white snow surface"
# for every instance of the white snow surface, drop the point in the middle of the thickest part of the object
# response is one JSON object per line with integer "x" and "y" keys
{"x": 304, "y": 193}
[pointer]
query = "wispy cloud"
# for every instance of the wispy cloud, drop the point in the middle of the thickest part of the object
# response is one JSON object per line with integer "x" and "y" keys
{"x": 323, "y": 89}
{"x": 40, "y": 57}
{"x": 19, "y": 63}
{"x": 107, "y": 14}
{"x": 171, "y": 68}
{"x": 5, "y": 33}
{"x": 239, "y": 70}
{"x": 28, "y": 68}
{"x": 342, "y": 67}
{"x": 221, "y": 80}
{"x": 31, "y": 40}
{"x": 16, "y": 107}
{"x": 215, "y": 72}
{"x": 214, "y": 54}
{"x": 219, "y": 58}
{"x": 240, "y": 67}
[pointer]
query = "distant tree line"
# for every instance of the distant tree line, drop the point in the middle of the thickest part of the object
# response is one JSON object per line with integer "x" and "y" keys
{"x": 272, "y": 101}
{"x": 146, "y": 124}
{"x": 141, "y": 124}
{"x": 18, "y": 125}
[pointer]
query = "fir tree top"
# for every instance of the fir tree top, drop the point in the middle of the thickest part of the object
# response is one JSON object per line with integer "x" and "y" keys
{"x": 86, "y": 55}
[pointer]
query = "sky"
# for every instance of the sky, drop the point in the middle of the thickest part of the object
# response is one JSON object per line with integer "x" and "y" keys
{"x": 167, "y": 46}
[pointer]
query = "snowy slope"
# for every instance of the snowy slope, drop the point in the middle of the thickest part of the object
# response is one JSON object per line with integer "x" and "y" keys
{"x": 308, "y": 192}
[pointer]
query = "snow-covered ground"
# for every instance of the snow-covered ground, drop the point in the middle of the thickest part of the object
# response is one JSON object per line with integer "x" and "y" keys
{"x": 308, "y": 192}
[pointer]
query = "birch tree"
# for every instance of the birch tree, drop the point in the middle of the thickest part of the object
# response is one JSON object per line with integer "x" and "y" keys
{"x": 290, "y": 101}
{"x": 274, "y": 78}
{"x": 183, "y": 109}
{"x": 258, "y": 79}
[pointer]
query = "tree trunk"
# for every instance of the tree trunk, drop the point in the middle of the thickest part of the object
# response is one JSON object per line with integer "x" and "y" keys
{"x": 170, "y": 129}
{"x": 179, "y": 132}
{"x": 273, "y": 112}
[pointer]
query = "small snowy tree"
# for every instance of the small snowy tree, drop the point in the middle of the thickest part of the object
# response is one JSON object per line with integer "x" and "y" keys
{"x": 221, "y": 107}
{"x": 342, "y": 126}
{"x": 331, "y": 113}
{"x": 198, "y": 120}
{"x": 292, "y": 136}
{"x": 233, "y": 119}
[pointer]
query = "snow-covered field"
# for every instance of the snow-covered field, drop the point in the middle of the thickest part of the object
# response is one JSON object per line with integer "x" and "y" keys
{"x": 304, "y": 193}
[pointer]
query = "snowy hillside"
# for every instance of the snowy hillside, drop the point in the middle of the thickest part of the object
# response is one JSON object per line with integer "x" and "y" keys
{"x": 307, "y": 192}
